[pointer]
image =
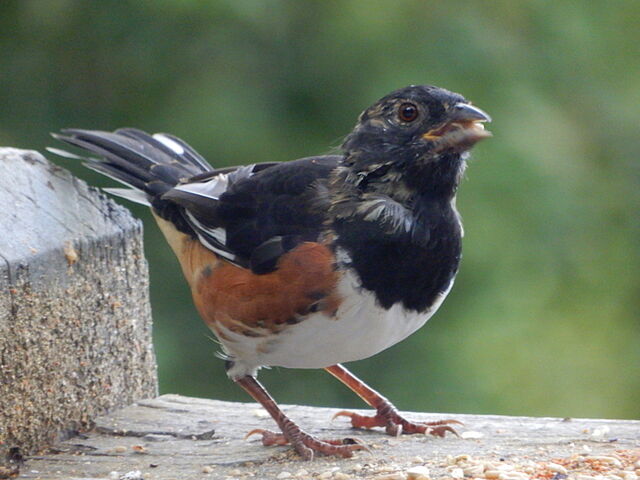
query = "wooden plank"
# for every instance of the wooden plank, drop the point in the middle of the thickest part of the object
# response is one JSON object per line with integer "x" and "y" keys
{"x": 75, "y": 321}
{"x": 175, "y": 437}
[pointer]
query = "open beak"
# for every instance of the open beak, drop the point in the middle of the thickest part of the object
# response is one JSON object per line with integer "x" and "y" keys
{"x": 463, "y": 129}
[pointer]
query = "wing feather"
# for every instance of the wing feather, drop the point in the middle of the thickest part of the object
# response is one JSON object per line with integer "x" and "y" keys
{"x": 251, "y": 215}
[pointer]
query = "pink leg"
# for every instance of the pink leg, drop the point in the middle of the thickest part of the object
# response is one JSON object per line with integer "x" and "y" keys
{"x": 305, "y": 444}
{"x": 386, "y": 413}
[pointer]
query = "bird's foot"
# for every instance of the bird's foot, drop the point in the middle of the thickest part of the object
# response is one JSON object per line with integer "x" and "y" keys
{"x": 395, "y": 424}
{"x": 307, "y": 445}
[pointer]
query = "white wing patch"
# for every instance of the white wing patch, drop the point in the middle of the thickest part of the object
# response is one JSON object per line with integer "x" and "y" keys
{"x": 214, "y": 238}
{"x": 210, "y": 189}
{"x": 219, "y": 234}
{"x": 205, "y": 234}
{"x": 219, "y": 184}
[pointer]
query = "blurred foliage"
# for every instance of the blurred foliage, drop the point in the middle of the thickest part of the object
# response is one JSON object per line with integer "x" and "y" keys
{"x": 544, "y": 316}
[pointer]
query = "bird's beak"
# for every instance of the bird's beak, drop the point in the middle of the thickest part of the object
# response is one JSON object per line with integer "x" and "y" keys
{"x": 464, "y": 128}
{"x": 465, "y": 112}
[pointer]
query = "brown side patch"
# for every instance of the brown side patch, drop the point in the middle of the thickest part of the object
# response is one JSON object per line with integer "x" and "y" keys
{"x": 242, "y": 301}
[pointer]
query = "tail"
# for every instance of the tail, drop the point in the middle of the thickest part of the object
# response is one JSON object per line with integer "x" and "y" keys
{"x": 150, "y": 165}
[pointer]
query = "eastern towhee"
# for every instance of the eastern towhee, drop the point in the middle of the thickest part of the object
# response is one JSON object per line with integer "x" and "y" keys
{"x": 317, "y": 261}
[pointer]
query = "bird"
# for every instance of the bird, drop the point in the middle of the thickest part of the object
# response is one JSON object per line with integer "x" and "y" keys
{"x": 315, "y": 262}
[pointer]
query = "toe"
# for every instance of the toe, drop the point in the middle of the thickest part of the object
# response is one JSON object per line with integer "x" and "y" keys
{"x": 269, "y": 438}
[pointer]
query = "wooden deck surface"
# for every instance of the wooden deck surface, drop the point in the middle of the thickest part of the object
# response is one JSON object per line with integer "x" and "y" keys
{"x": 175, "y": 437}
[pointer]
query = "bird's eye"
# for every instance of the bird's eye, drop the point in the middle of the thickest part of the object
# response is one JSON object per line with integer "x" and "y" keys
{"x": 408, "y": 112}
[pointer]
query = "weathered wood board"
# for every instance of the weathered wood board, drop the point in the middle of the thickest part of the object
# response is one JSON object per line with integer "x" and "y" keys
{"x": 75, "y": 321}
{"x": 175, "y": 437}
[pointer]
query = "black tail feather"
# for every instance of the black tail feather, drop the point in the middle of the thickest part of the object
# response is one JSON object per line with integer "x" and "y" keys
{"x": 187, "y": 156}
{"x": 189, "y": 153}
{"x": 137, "y": 159}
{"x": 149, "y": 164}
{"x": 118, "y": 174}
{"x": 118, "y": 149}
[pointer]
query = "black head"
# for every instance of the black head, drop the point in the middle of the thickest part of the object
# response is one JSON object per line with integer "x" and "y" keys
{"x": 421, "y": 130}
{"x": 423, "y": 119}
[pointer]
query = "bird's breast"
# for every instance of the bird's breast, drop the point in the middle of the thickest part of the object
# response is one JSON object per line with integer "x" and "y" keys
{"x": 403, "y": 256}
{"x": 360, "y": 328}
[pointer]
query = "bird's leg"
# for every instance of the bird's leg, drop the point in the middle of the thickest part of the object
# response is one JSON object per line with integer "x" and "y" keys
{"x": 305, "y": 444}
{"x": 386, "y": 413}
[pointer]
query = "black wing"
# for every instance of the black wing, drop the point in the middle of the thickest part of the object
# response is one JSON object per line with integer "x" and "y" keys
{"x": 252, "y": 215}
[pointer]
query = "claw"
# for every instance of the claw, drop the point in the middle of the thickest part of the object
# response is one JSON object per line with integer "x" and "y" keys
{"x": 342, "y": 413}
{"x": 307, "y": 444}
{"x": 361, "y": 421}
{"x": 395, "y": 425}
{"x": 359, "y": 442}
{"x": 269, "y": 438}
{"x": 255, "y": 431}
{"x": 440, "y": 431}
{"x": 447, "y": 421}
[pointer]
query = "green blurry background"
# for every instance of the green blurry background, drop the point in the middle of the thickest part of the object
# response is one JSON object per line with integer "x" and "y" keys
{"x": 543, "y": 319}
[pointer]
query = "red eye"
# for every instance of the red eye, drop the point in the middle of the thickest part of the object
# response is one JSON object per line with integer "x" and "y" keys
{"x": 408, "y": 112}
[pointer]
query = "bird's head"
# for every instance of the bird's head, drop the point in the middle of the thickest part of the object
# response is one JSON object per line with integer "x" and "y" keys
{"x": 421, "y": 119}
{"x": 422, "y": 130}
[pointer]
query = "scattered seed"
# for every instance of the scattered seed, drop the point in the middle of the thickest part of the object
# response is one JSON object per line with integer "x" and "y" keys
{"x": 132, "y": 475}
{"x": 461, "y": 458}
{"x": 418, "y": 473}
{"x": 554, "y": 467}
{"x": 392, "y": 476}
{"x": 599, "y": 433}
{"x": 457, "y": 473}
{"x": 341, "y": 476}
{"x": 606, "y": 459}
{"x": 70, "y": 253}
{"x": 473, "y": 470}
{"x": 387, "y": 468}
{"x": 513, "y": 476}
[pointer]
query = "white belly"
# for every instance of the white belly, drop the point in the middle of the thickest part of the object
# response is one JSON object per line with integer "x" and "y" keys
{"x": 360, "y": 329}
